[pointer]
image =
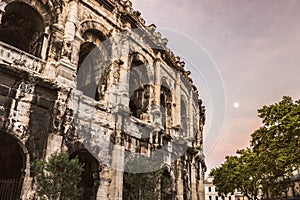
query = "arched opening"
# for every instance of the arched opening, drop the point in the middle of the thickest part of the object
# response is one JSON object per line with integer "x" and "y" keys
{"x": 139, "y": 101}
{"x": 139, "y": 90}
{"x": 165, "y": 105}
{"x": 141, "y": 179}
{"x": 90, "y": 176}
{"x": 167, "y": 192}
{"x": 184, "y": 116}
{"x": 12, "y": 168}
{"x": 90, "y": 64}
{"x": 22, "y": 27}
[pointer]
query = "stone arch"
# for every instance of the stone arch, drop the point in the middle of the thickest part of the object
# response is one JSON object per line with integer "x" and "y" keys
{"x": 92, "y": 64}
{"x": 22, "y": 27}
{"x": 89, "y": 24}
{"x": 137, "y": 58}
{"x": 90, "y": 178}
{"x": 167, "y": 185}
{"x": 140, "y": 79}
{"x": 166, "y": 102}
{"x": 14, "y": 167}
{"x": 37, "y": 5}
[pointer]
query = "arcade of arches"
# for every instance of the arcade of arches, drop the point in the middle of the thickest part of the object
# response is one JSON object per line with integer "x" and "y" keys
{"x": 63, "y": 82}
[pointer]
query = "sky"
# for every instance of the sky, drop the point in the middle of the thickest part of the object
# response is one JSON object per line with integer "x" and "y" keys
{"x": 254, "y": 52}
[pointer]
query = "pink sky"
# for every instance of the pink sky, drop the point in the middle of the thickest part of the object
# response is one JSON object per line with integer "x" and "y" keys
{"x": 255, "y": 45}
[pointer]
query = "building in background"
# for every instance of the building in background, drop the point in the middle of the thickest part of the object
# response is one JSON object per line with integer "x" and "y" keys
{"x": 293, "y": 193}
{"x": 92, "y": 79}
{"x": 211, "y": 191}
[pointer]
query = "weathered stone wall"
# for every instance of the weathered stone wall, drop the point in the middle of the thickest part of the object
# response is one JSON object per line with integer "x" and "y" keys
{"x": 45, "y": 105}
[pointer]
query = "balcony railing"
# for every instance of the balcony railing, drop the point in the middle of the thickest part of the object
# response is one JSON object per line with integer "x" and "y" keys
{"x": 17, "y": 58}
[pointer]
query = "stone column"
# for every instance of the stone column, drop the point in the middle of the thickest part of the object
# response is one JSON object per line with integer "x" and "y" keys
{"x": 190, "y": 114}
{"x": 193, "y": 181}
{"x": 155, "y": 105}
{"x": 54, "y": 144}
{"x": 177, "y": 117}
{"x": 117, "y": 170}
{"x": 2, "y": 10}
{"x": 45, "y": 43}
{"x": 119, "y": 77}
{"x": 117, "y": 163}
{"x": 20, "y": 111}
{"x": 69, "y": 33}
{"x": 19, "y": 126}
{"x": 66, "y": 71}
{"x": 179, "y": 185}
{"x": 105, "y": 180}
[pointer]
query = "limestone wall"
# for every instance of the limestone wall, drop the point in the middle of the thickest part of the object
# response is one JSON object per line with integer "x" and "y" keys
{"x": 72, "y": 99}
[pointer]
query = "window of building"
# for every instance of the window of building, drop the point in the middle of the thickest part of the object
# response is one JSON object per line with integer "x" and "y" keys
{"x": 90, "y": 176}
{"x": 139, "y": 89}
{"x": 184, "y": 116}
{"x": 229, "y": 198}
{"x": 166, "y": 105}
{"x": 209, "y": 189}
{"x": 210, "y": 198}
{"x": 22, "y": 27}
{"x": 91, "y": 64}
{"x": 217, "y": 198}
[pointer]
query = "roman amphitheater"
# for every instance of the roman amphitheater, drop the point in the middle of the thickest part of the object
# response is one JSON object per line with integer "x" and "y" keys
{"x": 91, "y": 78}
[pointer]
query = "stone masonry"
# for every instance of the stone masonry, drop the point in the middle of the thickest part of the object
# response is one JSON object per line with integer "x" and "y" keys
{"x": 90, "y": 78}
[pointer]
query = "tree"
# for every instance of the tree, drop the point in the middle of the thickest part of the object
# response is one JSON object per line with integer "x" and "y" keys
{"x": 273, "y": 155}
{"x": 277, "y": 143}
{"x": 58, "y": 177}
{"x": 225, "y": 176}
{"x": 238, "y": 172}
{"x": 143, "y": 181}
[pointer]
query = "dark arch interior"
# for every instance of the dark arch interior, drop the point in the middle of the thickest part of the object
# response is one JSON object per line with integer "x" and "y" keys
{"x": 88, "y": 69}
{"x": 11, "y": 157}
{"x": 139, "y": 101}
{"x": 184, "y": 119}
{"x": 139, "y": 89}
{"x": 165, "y": 104}
{"x": 22, "y": 27}
{"x": 93, "y": 35}
{"x": 166, "y": 186}
{"x": 12, "y": 166}
{"x": 90, "y": 176}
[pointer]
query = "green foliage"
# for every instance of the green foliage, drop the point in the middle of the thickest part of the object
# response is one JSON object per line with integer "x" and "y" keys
{"x": 277, "y": 143}
{"x": 58, "y": 177}
{"x": 238, "y": 172}
{"x": 273, "y": 155}
{"x": 148, "y": 185}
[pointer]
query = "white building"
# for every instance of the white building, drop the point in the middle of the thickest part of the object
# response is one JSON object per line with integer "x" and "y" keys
{"x": 211, "y": 191}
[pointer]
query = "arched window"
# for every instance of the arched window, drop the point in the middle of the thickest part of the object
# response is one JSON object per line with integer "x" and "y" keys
{"x": 139, "y": 89}
{"x": 22, "y": 27}
{"x": 165, "y": 105}
{"x": 167, "y": 192}
{"x": 184, "y": 116}
{"x": 91, "y": 63}
{"x": 90, "y": 176}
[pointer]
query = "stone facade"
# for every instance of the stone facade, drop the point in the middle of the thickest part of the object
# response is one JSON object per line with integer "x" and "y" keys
{"x": 90, "y": 78}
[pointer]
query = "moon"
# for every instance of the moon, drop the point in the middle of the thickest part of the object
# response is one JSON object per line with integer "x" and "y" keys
{"x": 236, "y": 105}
